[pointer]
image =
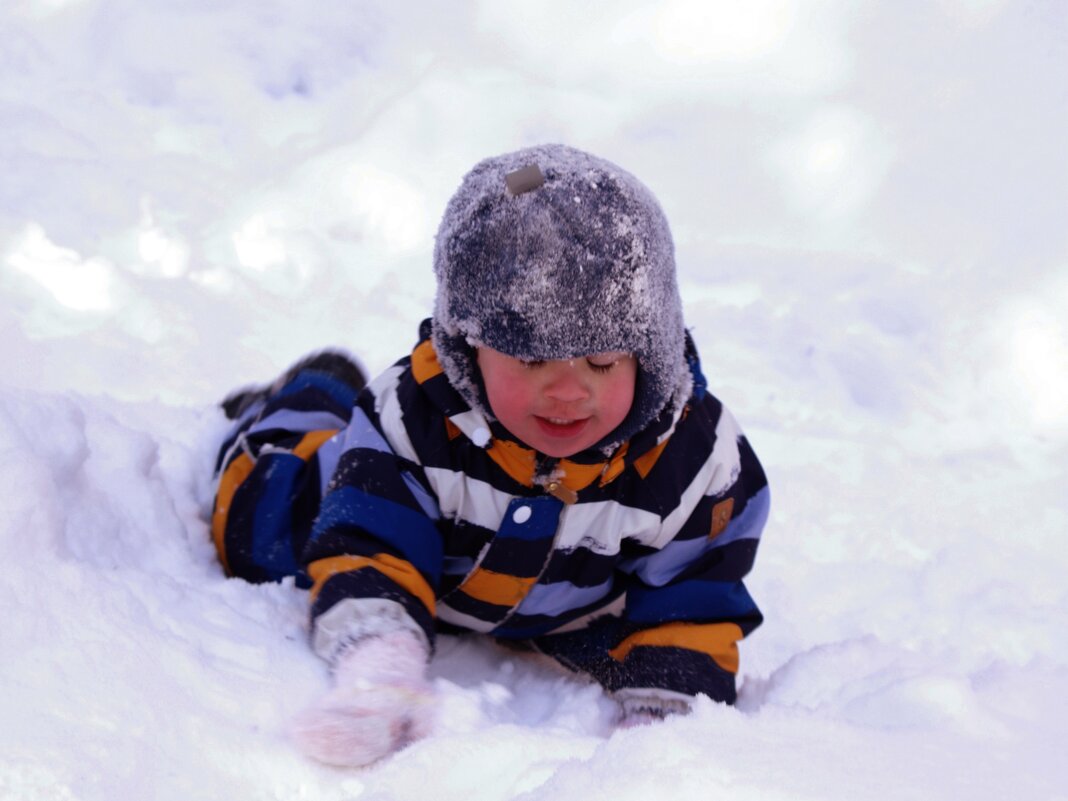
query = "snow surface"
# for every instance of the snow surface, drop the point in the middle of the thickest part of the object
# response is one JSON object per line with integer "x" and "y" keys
{"x": 869, "y": 202}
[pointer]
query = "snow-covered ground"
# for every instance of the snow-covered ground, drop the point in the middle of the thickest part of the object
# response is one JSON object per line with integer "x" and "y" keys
{"x": 870, "y": 204}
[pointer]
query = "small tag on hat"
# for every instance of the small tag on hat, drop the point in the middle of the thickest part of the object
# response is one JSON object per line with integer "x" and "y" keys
{"x": 523, "y": 180}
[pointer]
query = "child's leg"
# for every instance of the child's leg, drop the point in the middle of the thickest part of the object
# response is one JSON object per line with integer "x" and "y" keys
{"x": 275, "y": 462}
{"x": 654, "y": 677}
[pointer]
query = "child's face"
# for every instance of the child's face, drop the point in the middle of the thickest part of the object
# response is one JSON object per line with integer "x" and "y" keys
{"x": 559, "y": 407}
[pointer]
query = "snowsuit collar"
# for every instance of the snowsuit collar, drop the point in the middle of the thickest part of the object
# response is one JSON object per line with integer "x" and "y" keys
{"x": 565, "y": 477}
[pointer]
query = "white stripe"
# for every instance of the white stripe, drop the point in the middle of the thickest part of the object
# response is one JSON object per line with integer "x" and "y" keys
{"x": 388, "y": 408}
{"x": 450, "y": 615}
{"x": 602, "y": 525}
{"x": 466, "y": 498}
{"x": 599, "y": 526}
{"x": 636, "y": 695}
{"x": 469, "y": 423}
{"x": 614, "y": 609}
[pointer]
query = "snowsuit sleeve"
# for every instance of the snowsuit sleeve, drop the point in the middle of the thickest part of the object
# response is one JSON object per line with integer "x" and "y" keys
{"x": 375, "y": 554}
{"x": 686, "y": 604}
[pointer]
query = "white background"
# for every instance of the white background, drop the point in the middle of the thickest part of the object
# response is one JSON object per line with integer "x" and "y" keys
{"x": 869, "y": 202}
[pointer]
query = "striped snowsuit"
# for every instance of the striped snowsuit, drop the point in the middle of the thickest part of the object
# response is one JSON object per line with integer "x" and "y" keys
{"x": 410, "y": 510}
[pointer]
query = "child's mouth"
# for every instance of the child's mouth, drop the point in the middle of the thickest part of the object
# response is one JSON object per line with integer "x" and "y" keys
{"x": 561, "y": 427}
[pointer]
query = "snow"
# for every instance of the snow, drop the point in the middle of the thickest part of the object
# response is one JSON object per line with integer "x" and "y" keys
{"x": 868, "y": 203}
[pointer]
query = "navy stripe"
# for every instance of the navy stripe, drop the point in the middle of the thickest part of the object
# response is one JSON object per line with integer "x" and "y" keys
{"x": 728, "y": 563}
{"x": 306, "y": 400}
{"x": 752, "y": 477}
{"x": 450, "y": 582}
{"x": 376, "y": 473}
{"x": 425, "y": 423}
{"x": 346, "y": 539}
{"x": 270, "y": 516}
{"x": 463, "y": 537}
{"x": 272, "y": 530}
{"x": 677, "y": 669}
{"x": 580, "y": 566}
{"x": 465, "y": 604}
{"x": 407, "y": 532}
{"x": 329, "y": 392}
{"x": 457, "y": 565}
{"x": 237, "y": 539}
{"x": 521, "y": 558}
{"x": 520, "y": 626}
{"x": 689, "y": 600}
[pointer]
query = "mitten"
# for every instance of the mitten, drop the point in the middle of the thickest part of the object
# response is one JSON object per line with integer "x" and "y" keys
{"x": 381, "y": 701}
{"x": 641, "y": 710}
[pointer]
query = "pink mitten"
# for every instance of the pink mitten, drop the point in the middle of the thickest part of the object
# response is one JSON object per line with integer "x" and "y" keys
{"x": 381, "y": 701}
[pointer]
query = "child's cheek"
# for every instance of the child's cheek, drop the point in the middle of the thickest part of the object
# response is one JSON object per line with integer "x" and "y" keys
{"x": 508, "y": 393}
{"x": 617, "y": 404}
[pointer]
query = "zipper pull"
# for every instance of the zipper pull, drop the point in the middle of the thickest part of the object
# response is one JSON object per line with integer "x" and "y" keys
{"x": 558, "y": 490}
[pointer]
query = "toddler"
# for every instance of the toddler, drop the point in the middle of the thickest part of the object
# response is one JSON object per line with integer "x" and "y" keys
{"x": 546, "y": 467}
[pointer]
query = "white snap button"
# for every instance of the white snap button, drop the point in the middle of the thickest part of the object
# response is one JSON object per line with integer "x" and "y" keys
{"x": 521, "y": 515}
{"x": 481, "y": 437}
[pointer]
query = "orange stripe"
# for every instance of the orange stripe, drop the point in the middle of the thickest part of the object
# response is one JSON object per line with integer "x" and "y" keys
{"x": 515, "y": 460}
{"x": 451, "y": 430}
{"x": 615, "y": 467}
{"x": 312, "y": 442}
{"x": 398, "y": 570}
{"x": 579, "y": 476}
{"x": 644, "y": 463}
{"x": 233, "y": 477}
{"x": 519, "y": 462}
{"x": 718, "y": 640}
{"x": 497, "y": 588}
{"x": 425, "y": 363}
{"x": 721, "y": 517}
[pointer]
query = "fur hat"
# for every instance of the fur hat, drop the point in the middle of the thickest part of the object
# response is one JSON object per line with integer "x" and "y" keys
{"x": 551, "y": 253}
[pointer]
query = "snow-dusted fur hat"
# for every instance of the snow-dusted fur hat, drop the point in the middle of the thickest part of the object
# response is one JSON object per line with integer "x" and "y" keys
{"x": 570, "y": 257}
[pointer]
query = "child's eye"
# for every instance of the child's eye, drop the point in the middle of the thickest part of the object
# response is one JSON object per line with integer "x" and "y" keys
{"x": 601, "y": 368}
{"x": 603, "y": 362}
{"x": 532, "y": 363}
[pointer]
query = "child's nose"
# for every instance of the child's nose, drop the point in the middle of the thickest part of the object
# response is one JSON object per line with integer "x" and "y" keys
{"x": 566, "y": 384}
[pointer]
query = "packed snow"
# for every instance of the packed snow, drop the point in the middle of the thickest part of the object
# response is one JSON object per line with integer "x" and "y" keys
{"x": 869, "y": 205}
